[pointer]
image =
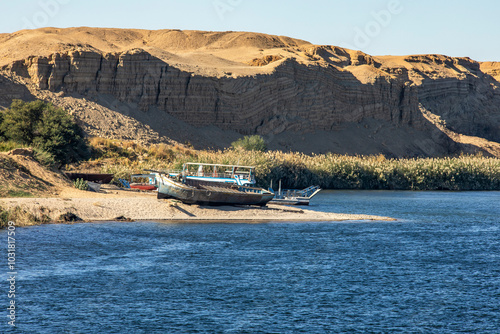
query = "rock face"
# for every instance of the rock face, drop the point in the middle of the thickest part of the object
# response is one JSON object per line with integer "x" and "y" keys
{"x": 304, "y": 90}
{"x": 293, "y": 97}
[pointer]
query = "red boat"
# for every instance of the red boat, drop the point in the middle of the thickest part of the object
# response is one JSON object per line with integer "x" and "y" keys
{"x": 142, "y": 186}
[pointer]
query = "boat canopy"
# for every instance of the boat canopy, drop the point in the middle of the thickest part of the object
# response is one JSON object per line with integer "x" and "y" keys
{"x": 202, "y": 168}
{"x": 216, "y": 165}
{"x": 219, "y": 172}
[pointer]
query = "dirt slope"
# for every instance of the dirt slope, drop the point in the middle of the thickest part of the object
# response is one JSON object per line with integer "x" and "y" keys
{"x": 21, "y": 175}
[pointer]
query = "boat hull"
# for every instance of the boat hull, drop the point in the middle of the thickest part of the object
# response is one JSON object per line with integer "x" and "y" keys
{"x": 295, "y": 196}
{"x": 291, "y": 201}
{"x": 212, "y": 194}
{"x": 143, "y": 186}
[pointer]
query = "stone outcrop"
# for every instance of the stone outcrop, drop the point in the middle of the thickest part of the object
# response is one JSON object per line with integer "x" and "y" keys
{"x": 264, "y": 60}
{"x": 305, "y": 89}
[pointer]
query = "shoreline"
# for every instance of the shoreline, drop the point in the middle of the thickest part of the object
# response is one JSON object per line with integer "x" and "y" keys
{"x": 130, "y": 206}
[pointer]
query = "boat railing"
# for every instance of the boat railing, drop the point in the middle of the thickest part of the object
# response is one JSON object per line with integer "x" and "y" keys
{"x": 200, "y": 183}
{"x": 289, "y": 193}
{"x": 220, "y": 185}
{"x": 223, "y": 175}
{"x": 308, "y": 192}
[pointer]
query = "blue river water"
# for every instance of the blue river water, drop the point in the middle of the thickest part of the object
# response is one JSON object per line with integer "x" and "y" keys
{"x": 434, "y": 270}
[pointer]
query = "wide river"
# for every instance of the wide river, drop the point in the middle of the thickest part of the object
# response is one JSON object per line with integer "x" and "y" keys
{"x": 435, "y": 270}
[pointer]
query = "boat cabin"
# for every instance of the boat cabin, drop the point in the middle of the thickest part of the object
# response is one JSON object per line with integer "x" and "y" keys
{"x": 241, "y": 175}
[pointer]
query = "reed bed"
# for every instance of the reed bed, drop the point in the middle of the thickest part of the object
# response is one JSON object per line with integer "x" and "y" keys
{"x": 329, "y": 171}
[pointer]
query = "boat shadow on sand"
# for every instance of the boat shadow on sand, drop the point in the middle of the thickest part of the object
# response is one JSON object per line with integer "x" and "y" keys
{"x": 186, "y": 212}
{"x": 228, "y": 212}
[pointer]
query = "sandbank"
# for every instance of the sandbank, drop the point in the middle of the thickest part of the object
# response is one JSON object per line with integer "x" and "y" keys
{"x": 143, "y": 206}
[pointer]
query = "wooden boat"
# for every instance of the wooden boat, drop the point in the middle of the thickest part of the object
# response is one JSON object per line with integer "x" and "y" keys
{"x": 192, "y": 191}
{"x": 295, "y": 196}
{"x": 94, "y": 177}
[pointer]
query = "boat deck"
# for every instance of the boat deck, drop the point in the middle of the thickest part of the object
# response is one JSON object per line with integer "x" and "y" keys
{"x": 224, "y": 189}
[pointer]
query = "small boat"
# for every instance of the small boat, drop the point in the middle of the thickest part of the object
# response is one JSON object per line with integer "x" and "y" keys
{"x": 235, "y": 174}
{"x": 93, "y": 177}
{"x": 194, "y": 191}
{"x": 141, "y": 186}
{"x": 295, "y": 196}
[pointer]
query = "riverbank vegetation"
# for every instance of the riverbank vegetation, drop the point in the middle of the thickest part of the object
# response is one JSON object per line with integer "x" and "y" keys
{"x": 297, "y": 170}
{"x": 57, "y": 140}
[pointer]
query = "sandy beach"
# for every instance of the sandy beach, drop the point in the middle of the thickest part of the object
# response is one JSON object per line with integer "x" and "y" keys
{"x": 60, "y": 201}
{"x": 145, "y": 206}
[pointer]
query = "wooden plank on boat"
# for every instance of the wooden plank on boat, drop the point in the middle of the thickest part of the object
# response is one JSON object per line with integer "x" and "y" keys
{"x": 219, "y": 189}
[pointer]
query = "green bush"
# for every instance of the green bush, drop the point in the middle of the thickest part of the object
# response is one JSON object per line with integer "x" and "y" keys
{"x": 43, "y": 157}
{"x": 47, "y": 128}
{"x": 250, "y": 143}
{"x": 81, "y": 184}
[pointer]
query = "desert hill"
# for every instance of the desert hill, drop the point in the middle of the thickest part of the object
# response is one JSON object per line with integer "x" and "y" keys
{"x": 209, "y": 88}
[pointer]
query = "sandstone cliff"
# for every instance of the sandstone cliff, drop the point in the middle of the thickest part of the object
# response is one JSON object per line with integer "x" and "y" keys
{"x": 200, "y": 87}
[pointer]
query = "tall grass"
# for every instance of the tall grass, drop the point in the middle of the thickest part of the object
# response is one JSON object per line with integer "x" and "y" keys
{"x": 330, "y": 171}
{"x": 8, "y": 145}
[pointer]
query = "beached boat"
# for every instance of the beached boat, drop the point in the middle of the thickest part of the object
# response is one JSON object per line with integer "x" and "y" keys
{"x": 295, "y": 196}
{"x": 194, "y": 191}
{"x": 140, "y": 185}
{"x": 151, "y": 185}
{"x": 93, "y": 177}
{"x": 234, "y": 174}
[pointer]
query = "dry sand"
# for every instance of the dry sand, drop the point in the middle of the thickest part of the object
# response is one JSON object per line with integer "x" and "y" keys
{"x": 145, "y": 206}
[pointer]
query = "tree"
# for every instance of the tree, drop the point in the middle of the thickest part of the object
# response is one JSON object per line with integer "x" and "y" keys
{"x": 20, "y": 121}
{"x": 47, "y": 128}
{"x": 252, "y": 143}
